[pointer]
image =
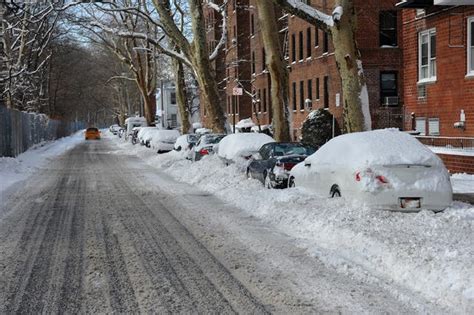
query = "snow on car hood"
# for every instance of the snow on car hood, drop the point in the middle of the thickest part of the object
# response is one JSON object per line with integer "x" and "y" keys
{"x": 377, "y": 147}
{"x": 241, "y": 143}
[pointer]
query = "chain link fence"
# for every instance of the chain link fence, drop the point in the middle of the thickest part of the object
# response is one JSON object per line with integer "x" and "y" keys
{"x": 19, "y": 130}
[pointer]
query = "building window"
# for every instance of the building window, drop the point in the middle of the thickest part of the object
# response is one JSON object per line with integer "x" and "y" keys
{"x": 301, "y": 95}
{"x": 420, "y": 125}
{"x": 389, "y": 88}
{"x": 427, "y": 55}
{"x": 326, "y": 92}
{"x": 317, "y": 89}
{"x": 388, "y": 28}
{"x": 294, "y": 95}
{"x": 310, "y": 92}
{"x": 433, "y": 126}
{"x": 264, "y": 100}
{"x": 252, "y": 25}
{"x": 316, "y": 37}
{"x": 301, "y": 46}
{"x": 470, "y": 46}
{"x": 253, "y": 62}
{"x": 308, "y": 42}
{"x": 293, "y": 47}
{"x": 264, "y": 64}
{"x": 174, "y": 120}
{"x": 173, "y": 97}
{"x": 326, "y": 43}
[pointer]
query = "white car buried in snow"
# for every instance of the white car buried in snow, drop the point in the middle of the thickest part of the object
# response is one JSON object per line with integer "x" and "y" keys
{"x": 163, "y": 140}
{"x": 384, "y": 169}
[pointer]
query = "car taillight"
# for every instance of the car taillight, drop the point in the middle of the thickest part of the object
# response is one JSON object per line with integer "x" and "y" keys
{"x": 358, "y": 177}
{"x": 382, "y": 179}
{"x": 204, "y": 152}
{"x": 288, "y": 166}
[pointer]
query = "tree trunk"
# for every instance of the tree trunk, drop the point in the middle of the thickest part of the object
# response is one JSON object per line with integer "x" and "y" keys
{"x": 181, "y": 97}
{"x": 348, "y": 59}
{"x": 203, "y": 69}
{"x": 277, "y": 67}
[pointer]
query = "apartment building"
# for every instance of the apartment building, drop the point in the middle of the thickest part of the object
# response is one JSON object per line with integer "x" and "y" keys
{"x": 314, "y": 81}
{"x": 439, "y": 67}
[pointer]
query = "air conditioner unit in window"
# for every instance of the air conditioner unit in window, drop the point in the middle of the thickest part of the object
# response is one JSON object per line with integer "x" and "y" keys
{"x": 390, "y": 101}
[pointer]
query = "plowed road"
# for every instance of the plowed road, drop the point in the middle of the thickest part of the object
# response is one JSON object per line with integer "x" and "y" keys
{"x": 94, "y": 233}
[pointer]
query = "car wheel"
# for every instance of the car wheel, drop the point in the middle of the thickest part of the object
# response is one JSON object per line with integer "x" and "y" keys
{"x": 291, "y": 182}
{"x": 249, "y": 175}
{"x": 335, "y": 192}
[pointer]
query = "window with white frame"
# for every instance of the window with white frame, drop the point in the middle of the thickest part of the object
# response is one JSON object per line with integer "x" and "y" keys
{"x": 427, "y": 55}
{"x": 470, "y": 46}
{"x": 433, "y": 126}
{"x": 420, "y": 125}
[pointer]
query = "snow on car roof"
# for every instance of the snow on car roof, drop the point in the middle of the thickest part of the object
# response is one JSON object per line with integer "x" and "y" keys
{"x": 233, "y": 145}
{"x": 377, "y": 147}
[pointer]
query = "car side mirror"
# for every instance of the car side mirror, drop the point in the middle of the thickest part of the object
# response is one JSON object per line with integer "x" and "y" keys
{"x": 307, "y": 163}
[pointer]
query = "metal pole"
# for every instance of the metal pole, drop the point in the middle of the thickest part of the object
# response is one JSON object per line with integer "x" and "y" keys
{"x": 234, "y": 103}
{"x": 162, "y": 94}
{"x": 333, "y": 125}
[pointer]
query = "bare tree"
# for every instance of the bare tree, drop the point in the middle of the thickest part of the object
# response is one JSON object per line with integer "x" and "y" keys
{"x": 341, "y": 25}
{"x": 277, "y": 68}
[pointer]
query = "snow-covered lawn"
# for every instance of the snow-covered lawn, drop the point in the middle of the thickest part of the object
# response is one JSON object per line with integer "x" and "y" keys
{"x": 427, "y": 253}
{"x": 13, "y": 170}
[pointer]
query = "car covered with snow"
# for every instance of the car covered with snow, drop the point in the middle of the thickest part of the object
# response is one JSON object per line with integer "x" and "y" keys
{"x": 114, "y": 129}
{"x": 384, "y": 169}
{"x": 186, "y": 142}
{"x": 133, "y": 122}
{"x": 240, "y": 147}
{"x": 274, "y": 161}
{"x": 145, "y": 134}
{"x": 205, "y": 145}
{"x": 163, "y": 140}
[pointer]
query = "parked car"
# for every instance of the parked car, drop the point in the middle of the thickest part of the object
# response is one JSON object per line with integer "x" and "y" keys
{"x": 205, "y": 145}
{"x": 185, "y": 143}
{"x": 385, "y": 169}
{"x": 114, "y": 129}
{"x": 92, "y": 133}
{"x": 163, "y": 140}
{"x": 240, "y": 147}
{"x": 145, "y": 135}
{"x": 133, "y": 122}
{"x": 274, "y": 161}
{"x": 134, "y": 134}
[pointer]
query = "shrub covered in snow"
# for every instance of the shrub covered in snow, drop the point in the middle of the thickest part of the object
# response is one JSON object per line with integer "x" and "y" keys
{"x": 317, "y": 128}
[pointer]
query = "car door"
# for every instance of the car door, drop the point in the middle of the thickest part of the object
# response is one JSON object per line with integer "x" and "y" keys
{"x": 258, "y": 166}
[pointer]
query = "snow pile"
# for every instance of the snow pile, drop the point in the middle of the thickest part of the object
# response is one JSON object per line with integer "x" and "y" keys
{"x": 377, "y": 147}
{"x": 13, "y": 170}
{"x": 422, "y": 254}
{"x": 245, "y": 123}
{"x": 463, "y": 183}
{"x": 242, "y": 144}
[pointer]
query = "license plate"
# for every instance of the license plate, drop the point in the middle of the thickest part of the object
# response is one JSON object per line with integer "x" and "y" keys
{"x": 410, "y": 203}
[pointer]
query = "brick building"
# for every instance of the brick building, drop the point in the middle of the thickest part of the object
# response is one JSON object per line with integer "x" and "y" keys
{"x": 313, "y": 78}
{"x": 439, "y": 67}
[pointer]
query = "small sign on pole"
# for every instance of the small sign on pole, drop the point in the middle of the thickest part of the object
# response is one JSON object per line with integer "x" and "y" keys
{"x": 237, "y": 91}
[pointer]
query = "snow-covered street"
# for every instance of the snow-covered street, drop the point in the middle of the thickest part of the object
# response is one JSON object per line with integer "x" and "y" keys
{"x": 423, "y": 254}
{"x": 282, "y": 251}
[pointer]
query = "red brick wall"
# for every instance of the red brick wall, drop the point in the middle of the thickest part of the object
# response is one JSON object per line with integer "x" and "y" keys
{"x": 452, "y": 90}
{"x": 458, "y": 163}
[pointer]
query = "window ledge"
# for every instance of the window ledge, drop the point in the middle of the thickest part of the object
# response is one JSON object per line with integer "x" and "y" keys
{"x": 427, "y": 81}
{"x": 388, "y": 47}
{"x": 469, "y": 76}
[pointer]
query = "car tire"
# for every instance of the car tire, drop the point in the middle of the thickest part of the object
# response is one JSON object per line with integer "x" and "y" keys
{"x": 291, "y": 182}
{"x": 267, "y": 182}
{"x": 249, "y": 175}
{"x": 335, "y": 192}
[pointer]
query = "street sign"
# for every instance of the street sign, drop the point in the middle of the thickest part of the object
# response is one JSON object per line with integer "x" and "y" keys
{"x": 237, "y": 91}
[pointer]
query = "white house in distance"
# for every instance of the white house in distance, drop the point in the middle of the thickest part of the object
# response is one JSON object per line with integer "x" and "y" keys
{"x": 167, "y": 113}
{"x": 166, "y": 107}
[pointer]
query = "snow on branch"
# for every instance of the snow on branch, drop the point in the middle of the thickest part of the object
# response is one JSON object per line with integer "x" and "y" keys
{"x": 320, "y": 17}
{"x": 223, "y": 11}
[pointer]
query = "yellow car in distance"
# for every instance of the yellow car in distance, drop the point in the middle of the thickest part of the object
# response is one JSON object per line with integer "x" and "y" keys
{"x": 92, "y": 133}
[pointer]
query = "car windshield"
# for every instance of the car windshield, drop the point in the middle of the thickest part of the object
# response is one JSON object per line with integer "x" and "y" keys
{"x": 292, "y": 149}
{"x": 193, "y": 138}
{"x": 92, "y": 129}
{"x": 213, "y": 139}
